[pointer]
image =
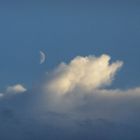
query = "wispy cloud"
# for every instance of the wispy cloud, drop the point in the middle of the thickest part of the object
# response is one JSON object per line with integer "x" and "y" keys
{"x": 1, "y": 95}
{"x": 16, "y": 89}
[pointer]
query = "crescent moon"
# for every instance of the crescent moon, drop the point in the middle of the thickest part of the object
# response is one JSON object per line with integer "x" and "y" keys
{"x": 42, "y": 57}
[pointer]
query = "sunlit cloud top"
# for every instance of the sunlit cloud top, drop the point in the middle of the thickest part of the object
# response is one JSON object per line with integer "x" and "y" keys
{"x": 87, "y": 73}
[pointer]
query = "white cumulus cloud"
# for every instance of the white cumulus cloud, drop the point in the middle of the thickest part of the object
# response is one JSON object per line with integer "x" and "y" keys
{"x": 86, "y": 73}
{"x": 16, "y": 89}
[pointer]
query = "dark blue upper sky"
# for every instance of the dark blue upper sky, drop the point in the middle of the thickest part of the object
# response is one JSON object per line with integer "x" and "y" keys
{"x": 64, "y": 30}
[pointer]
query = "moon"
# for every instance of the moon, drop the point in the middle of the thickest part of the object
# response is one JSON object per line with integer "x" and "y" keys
{"x": 42, "y": 57}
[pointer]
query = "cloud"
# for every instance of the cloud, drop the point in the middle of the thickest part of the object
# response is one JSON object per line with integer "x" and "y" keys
{"x": 87, "y": 73}
{"x": 16, "y": 89}
{"x": 1, "y": 95}
{"x": 102, "y": 114}
{"x": 86, "y": 110}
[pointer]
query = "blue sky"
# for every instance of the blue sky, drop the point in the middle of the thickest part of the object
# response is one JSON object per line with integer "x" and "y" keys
{"x": 64, "y": 30}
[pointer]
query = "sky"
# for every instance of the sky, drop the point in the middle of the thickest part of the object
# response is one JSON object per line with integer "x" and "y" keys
{"x": 90, "y": 77}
